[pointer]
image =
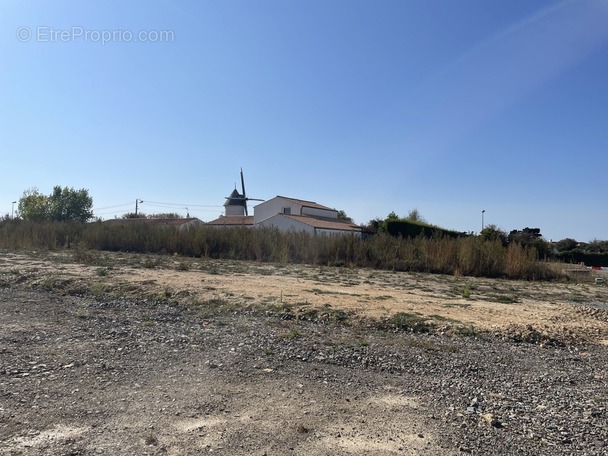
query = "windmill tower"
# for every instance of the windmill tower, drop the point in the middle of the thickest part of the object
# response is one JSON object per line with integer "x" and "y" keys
{"x": 236, "y": 203}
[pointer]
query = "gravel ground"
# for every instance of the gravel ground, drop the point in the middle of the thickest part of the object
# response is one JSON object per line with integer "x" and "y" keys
{"x": 102, "y": 376}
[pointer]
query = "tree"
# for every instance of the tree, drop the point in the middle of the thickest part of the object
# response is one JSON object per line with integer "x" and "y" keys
{"x": 161, "y": 215}
{"x": 132, "y": 215}
{"x": 67, "y": 204}
{"x": 33, "y": 205}
{"x": 525, "y": 237}
{"x": 379, "y": 225}
{"x": 530, "y": 237}
{"x": 392, "y": 217}
{"x": 493, "y": 233}
{"x": 342, "y": 216}
{"x": 373, "y": 226}
{"x": 598, "y": 246}
{"x": 62, "y": 205}
{"x": 414, "y": 216}
{"x": 566, "y": 245}
{"x": 165, "y": 215}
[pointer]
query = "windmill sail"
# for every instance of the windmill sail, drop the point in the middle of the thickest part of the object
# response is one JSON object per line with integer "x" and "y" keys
{"x": 236, "y": 204}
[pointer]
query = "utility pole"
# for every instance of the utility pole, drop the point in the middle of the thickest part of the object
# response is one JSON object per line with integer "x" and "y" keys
{"x": 482, "y": 212}
{"x": 137, "y": 201}
{"x": 13, "y": 210}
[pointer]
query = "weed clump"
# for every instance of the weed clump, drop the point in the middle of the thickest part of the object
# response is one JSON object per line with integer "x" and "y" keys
{"x": 411, "y": 322}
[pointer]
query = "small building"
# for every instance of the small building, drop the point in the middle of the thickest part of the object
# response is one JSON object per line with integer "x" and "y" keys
{"x": 291, "y": 214}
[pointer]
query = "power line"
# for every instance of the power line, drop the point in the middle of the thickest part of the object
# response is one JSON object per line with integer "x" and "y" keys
{"x": 182, "y": 204}
{"x": 208, "y": 208}
{"x": 105, "y": 213}
{"x": 155, "y": 203}
{"x": 119, "y": 212}
{"x": 111, "y": 207}
{"x": 178, "y": 207}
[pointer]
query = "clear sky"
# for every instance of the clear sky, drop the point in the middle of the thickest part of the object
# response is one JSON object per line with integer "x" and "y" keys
{"x": 371, "y": 106}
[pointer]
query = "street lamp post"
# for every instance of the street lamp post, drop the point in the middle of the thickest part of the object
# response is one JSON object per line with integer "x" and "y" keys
{"x": 13, "y": 210}
{"x": 482, "y": 212}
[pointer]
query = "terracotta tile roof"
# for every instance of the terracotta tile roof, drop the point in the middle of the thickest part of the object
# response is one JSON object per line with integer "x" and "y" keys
{"x": 233, "y": 220}
{"x": 325, "y": 223}
{"x": 306, "y": 203}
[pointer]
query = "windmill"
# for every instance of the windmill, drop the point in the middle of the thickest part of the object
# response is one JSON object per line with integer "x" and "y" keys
{"x": 236, "y": 203}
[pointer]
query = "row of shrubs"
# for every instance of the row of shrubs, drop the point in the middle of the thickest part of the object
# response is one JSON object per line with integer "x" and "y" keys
{"x": 470, "y": 256}
{"x": 590, "y": 259}
{"x": 410, "y": 228}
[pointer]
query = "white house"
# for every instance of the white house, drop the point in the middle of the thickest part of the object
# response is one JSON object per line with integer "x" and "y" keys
{"x": 283, "y": 213}
{"x": 290, "y": 214}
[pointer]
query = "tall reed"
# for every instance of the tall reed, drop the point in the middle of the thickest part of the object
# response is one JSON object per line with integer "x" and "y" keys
{"x": 470, "y": 256}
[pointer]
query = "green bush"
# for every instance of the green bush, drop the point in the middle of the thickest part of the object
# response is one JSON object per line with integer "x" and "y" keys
{"x": 411, "y": 229}
{"x": 590, "y": 259}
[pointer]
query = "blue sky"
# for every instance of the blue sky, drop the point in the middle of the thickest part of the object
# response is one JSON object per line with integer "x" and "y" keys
{"x": 447, "y": 106}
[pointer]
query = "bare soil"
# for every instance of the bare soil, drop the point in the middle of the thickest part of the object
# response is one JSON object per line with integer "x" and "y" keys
{"x": 108, "y": 353}
{"x": 565, "y": 311}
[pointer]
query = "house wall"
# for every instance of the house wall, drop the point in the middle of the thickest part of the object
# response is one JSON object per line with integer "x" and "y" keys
{"x": 277, "y": 205}
{"x": 324, "y": 232}
{"x": 233, "y": 209}
{"x": 285, "y": 224}
{"x": 273, "y": 207}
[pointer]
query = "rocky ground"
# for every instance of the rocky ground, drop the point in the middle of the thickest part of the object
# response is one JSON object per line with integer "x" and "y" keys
{"x": 86, "y": 372}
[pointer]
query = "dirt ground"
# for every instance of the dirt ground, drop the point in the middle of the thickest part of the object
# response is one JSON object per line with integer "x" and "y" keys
{"x": 109, "y": 353}
{"x": 566, "y": 310}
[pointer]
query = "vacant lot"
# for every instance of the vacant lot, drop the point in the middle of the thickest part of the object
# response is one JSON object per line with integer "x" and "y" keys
{"x": 136, "y": 354}
{"x": 569, "y": 311}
